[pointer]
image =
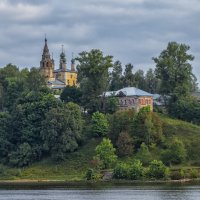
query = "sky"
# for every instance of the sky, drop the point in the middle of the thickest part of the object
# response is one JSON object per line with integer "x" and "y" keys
{"x": 132, "y": 31}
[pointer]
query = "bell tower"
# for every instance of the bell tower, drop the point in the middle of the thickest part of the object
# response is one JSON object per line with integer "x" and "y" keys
{"x": 47, "y": 64}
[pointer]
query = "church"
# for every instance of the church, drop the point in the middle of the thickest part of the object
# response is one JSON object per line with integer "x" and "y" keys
{"x": 57, "y": 79}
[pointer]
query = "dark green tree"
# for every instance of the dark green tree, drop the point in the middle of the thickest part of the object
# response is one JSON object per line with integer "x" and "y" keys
{"x": 174, "y": 70}
{"x": 116, "y": 77}
{"x": 93, "y": 77}
{"x": 152, "y": 83}
{"x": 124, "y": 144}
{"x": 128, "y": 78}
{"x": 139, "y": 80}
{"x": 71, "y": 94}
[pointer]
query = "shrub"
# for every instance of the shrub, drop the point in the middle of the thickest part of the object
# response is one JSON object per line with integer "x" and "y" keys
{"x": 105, "y": 153}
{"x": 143, "y": 154}
{"x": 176, "y": 152}
{"x": 92, "y": 174}
{"x": 194, "y": 173}
{"x": 136, "y": 170}
{"x": 177, "y": 175}
{"x": 157, "y": 170}
{"x": 100, "y": 125}
{"x": 121, "y": 171}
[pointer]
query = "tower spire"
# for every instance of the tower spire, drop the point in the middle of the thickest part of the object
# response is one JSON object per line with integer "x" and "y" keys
{"x": 72, "y": 63}
{"x": 63, "y": 60}
{"x": 46, "y": 64}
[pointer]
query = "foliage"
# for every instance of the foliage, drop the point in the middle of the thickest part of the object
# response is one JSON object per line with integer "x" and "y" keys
{"x": 157, "y": 170}
{"x": 92, "y": 174}
{"x": 116, "y": 77}
{"x": 128, "y": 78}
{"x": 124, "y": 144}
{"x": 175, "y": 153}
{"x": 61, "y": 130}
{"x": 136, "y": 170}
{"x": 194, "y": 173}
{"x": 121, "y": 171}
{"x": 100, "y": 125}
{"x": 120, "y": 122}
{"x": 143, "y": 154}
{"x": 93, "y": 77}
{"x": 105, "y": 152}
{"x": 174, "y": 70}
{"x": 71, "y": 94}
{"x": 110, "y": 104}
{"x": 23, "y": 156}
{"x": 177, "y": 174}
{"x": 147, "y": 128}
{"x": 187, "y": 108}
{"x": 152, "y": 83}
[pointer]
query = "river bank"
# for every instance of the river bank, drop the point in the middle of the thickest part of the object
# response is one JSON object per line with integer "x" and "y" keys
{"x": 37, "y": 184}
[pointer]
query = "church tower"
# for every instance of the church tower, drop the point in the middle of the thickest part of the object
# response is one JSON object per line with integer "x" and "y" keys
{"x": 63, "y": 66}
{"x": 47, "y": 64}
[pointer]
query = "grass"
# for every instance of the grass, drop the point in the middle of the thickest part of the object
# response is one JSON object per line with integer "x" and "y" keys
{"x": 76, "y": 164}
{"x": 72, "y": 169}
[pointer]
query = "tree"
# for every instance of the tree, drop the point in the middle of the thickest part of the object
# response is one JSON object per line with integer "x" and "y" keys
{"x": 174, "y": 70}
{"x": 175, "y": 153}
{"x": 128, "y": 78}
{"x": 116, "y": 77}
{"x": 100, "y": 125}
{"x": 105, "y": 152}
{"x": 93, "y": 77}
{"x": 124, "y": 144}
{"x": 152, "y": 83}
{"x": 157, "y": 170}
{"x": 71, "y": 94}
{"x": 61, "y": 131}
{"x": 120, "y": 121}
{"x": 139, "y": 80}
{"x": 146, "y": 127}
{"x": 136, "y": 170}
{"x": 143, "y": 154}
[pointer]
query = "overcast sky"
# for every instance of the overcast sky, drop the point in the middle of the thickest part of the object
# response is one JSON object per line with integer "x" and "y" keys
{"x": 130, "y": 30}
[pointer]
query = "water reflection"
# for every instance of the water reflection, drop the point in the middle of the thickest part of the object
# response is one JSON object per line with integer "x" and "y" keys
{"x": 117, "y": 193}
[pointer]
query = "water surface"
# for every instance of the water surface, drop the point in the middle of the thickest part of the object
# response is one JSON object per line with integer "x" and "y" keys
{"x": 113, "y": 193}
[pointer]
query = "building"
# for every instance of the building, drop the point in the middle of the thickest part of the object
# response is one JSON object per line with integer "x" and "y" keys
{"x": 59, "y": 78}
{"x": 131, "y": 98}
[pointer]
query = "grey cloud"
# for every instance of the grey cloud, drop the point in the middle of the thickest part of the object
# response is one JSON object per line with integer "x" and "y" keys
{"x": 130, "y": 30}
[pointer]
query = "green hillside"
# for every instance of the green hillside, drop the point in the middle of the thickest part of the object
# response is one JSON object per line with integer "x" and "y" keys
{"x": 74, "y": 167}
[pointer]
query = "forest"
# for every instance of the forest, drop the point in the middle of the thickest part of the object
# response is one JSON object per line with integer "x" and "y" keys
{"x": 34, "y": 125}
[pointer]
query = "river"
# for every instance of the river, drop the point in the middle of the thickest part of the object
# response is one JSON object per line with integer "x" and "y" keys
{"x": 112, "y": 193}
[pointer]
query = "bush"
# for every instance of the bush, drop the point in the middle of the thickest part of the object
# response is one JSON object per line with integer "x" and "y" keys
{"x": 177, "y": 175}
{"x": 144, "y": 155}
{"x": 194, "y": 173}
{"x": 136, "y": 170}
{"x": 100, "y": 125}
{"x": 157, "y": 170}
{"x": 92, "y": 174}
{"x": 105, "y": 153}
{"x": 121, "y": 171}
{"x": 176, "y": 152}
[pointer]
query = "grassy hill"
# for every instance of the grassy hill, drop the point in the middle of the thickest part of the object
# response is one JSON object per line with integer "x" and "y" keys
{"x": 74, "y": 167}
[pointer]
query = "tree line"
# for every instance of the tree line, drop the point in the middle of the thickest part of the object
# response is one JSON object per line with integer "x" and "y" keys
{"x": 34, "y": 124}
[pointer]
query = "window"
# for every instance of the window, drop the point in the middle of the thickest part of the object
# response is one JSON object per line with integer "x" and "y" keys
{"x": 67, "y": 82}
{"x": 74, "y": 83}
{"x": 71, "y": 76}
{"x": 125, "y": 101}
